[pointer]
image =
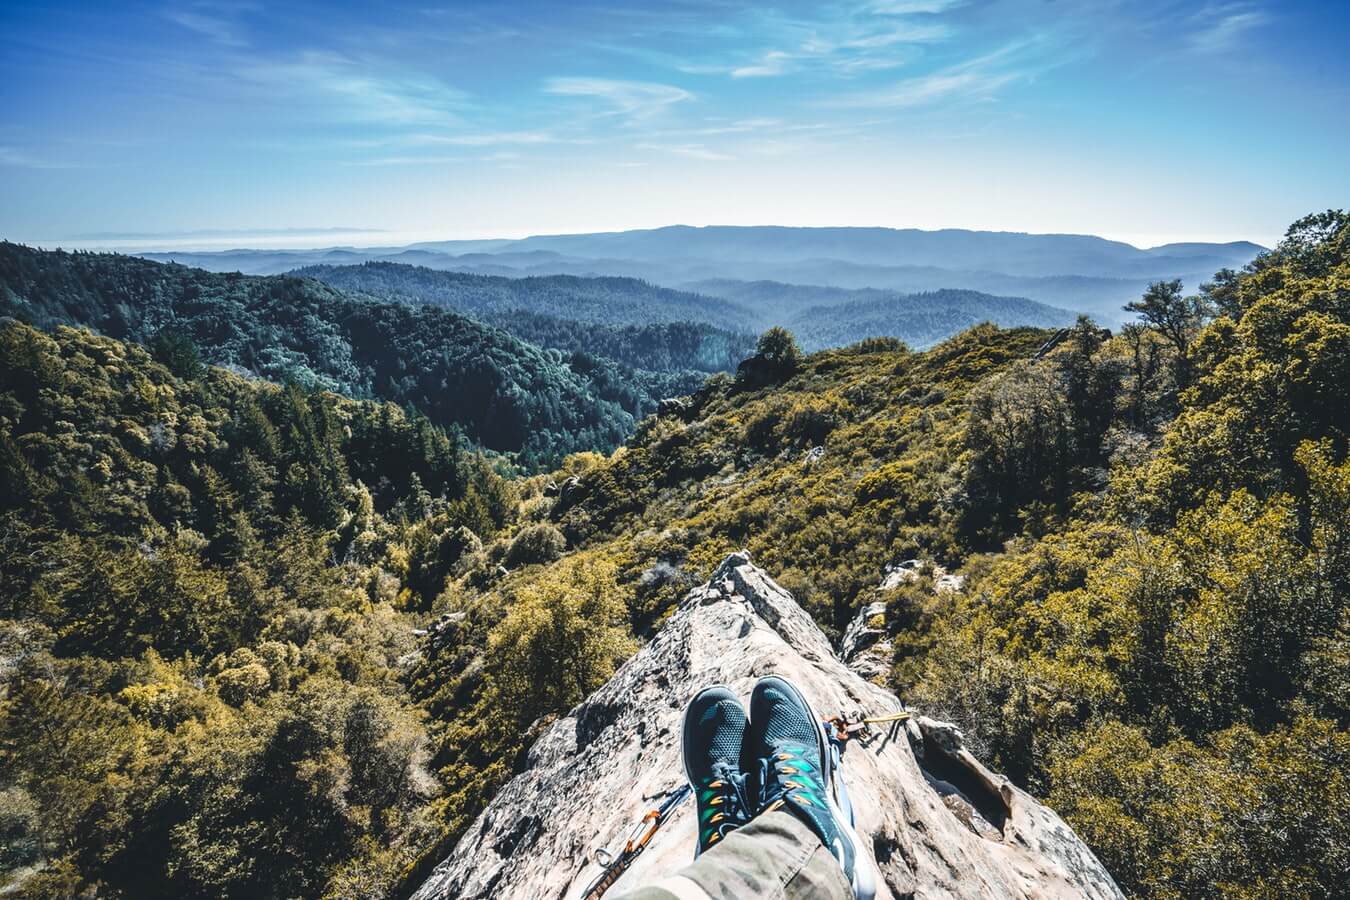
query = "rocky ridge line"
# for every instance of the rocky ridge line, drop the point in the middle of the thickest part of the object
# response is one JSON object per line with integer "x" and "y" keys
{"x": 939, "y": 823}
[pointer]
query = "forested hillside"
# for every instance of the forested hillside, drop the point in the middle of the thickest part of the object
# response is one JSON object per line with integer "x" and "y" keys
{"x": 635, "y": 343}
{"x": 211, "y": 686}
{"x": 698, "y": 331}
{"x": 660, "y": 347}
{"x": 200, "y": 668}
{"x": 503, "y": 392}
{"x": 605, "y": 301}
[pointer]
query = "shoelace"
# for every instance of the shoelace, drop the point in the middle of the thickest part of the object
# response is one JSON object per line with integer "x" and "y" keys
{"x": 785, "y": 775}
{"x": 729, "y": 801}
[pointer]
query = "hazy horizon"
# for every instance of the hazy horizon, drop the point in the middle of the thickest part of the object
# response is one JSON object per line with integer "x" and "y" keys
{"x": 282, "y": 239}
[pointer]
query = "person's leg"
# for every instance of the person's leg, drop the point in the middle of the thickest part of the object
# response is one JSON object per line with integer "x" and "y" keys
{"x": 772, "y": 827}
{"x": 776, "y": 856}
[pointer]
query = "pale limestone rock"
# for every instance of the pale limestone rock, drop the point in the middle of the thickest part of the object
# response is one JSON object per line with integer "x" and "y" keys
{"x": 938, "y": 823}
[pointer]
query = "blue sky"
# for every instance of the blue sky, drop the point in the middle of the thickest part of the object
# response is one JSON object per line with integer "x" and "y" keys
{"x": 257, "y": 123}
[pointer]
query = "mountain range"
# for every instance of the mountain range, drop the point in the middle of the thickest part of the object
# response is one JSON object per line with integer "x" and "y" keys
{"x": 536, "y": 366}
{"x": 1078, "y": 272}
{"x": 538, "y": 308}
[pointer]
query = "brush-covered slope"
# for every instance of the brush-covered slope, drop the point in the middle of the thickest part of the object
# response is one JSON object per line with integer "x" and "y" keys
{"x": 208, "y": 588}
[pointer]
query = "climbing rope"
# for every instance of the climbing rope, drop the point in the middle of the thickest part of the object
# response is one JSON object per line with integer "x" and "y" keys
{"x": 615, "y": 864}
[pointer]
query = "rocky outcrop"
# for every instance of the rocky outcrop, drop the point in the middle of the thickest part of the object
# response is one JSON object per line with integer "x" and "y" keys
{"x": 677, "y": 407}
{"x": 910, "y": 569}
{"x": 865, "y": 647}
{"x": 939, "y": 824}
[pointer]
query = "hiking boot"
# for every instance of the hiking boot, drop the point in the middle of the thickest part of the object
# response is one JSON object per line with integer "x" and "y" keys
{"x": 786, "y": 753}
{"x": 714, "y": 723}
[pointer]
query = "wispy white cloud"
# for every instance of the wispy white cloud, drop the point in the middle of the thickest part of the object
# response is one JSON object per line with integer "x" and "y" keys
{"x": 1225, "y": 25}
{"x": 466, "y": 139}
{"x": 631, "y": 99}
{"x": 403, "y": 161}
{"x": 979, "y": 78}
{"x": 887, "y": 36}
{"x": 775, "y": 62}
{"x": 400, "y": 148}
{"x": 941, "y": 85}
{"x": 913, "y": 7}
{"x": 692, "y": 151}
{"x": 346, "y": 88}
{"x": 740, "y": 126}
{"x": 15, "y": 158}
{"x": 869, "y": 38}
{"x": 216, "y": 21}
{"x": 864, "y": 64}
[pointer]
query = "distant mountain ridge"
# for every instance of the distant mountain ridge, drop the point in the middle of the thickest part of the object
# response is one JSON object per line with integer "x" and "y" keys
{"x": 920, "y": 320}
{"x": 606, "y": 301}
{"x": 1079, "y": 272}
{"x": 1013, "y": 253}
{"x": 539, "y": 309}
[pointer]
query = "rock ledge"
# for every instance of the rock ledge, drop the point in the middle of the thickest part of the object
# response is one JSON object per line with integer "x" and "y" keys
{"x": 940, "y": 823}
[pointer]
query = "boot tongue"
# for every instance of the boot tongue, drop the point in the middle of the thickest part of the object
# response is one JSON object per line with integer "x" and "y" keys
{"x": 769, "y": 782}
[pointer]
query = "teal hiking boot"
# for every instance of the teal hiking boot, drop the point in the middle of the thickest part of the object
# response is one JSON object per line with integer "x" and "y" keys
{"x": 714, "y": 723}
{"x": 788, "y": 756}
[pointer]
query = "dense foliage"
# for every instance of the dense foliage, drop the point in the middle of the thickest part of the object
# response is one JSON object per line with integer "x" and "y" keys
{"x": 209, "y": 684}
{"x": 208, "y": 588}
{"x": 1169, "y": 664}
{"x": 503, "y": 393}
{"x": 658, "y": 346}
